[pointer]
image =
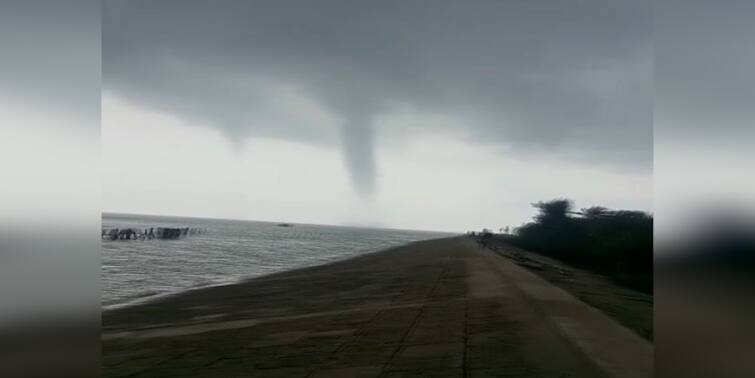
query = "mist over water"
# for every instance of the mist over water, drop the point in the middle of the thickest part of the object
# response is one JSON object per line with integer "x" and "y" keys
{"x": 227, "y": 251}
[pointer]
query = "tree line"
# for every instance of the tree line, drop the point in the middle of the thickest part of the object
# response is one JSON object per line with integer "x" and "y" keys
{"x": 617, "y": 243}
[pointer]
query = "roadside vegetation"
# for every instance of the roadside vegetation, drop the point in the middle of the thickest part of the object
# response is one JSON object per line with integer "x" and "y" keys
{"x": 615, "y": 243}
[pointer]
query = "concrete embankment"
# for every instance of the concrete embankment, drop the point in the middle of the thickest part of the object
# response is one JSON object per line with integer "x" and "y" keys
{"x": 438, "y": 308}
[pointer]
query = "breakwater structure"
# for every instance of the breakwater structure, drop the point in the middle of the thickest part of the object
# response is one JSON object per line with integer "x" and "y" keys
{"x": 148, "y": 233}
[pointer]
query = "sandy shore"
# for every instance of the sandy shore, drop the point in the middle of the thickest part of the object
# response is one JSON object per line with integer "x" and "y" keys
{"x": 438, "y": 308}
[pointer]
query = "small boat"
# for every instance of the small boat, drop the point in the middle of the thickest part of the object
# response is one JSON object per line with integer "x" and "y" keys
{"x": 285, "y": 225}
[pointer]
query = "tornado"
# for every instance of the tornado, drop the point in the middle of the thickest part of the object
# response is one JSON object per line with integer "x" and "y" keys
{"x": 358, "y": 150}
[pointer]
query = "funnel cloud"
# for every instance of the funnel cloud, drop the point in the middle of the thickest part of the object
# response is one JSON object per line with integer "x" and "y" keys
{"x": 359, "y": 154}
{"x": 568, "y": 79}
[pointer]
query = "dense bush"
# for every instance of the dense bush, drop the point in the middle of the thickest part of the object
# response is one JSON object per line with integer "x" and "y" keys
{"x": 616, "y": 243}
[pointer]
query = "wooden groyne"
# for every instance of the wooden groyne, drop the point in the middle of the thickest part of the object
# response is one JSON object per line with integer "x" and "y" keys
{"x": 148, "y": 233}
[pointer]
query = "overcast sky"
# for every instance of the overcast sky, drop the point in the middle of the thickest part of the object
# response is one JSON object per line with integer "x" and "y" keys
{"x": 442, "y": 115}
{"x": 704, "y": 111}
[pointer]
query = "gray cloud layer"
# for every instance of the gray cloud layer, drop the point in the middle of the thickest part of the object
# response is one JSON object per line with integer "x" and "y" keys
{"x": 705, "y": 86}
{"x": 33, "y": 31}
{"x": 570, "y": 77}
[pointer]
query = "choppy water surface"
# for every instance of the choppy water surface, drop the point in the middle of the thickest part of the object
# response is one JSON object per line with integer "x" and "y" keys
{"x": 226, "y": 251}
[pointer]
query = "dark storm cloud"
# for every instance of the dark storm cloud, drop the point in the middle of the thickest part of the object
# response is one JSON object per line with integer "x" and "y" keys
{"x": 51, "y": 57}
{"x": 705, "y": 55}
{"x": 570, "y": 77}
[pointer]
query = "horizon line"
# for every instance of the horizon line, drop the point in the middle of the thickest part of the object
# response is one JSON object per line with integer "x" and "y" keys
{"x": 103, "y": 212}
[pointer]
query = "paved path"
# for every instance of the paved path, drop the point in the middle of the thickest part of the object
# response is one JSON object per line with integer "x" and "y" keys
{"x": 440, "y": 308}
